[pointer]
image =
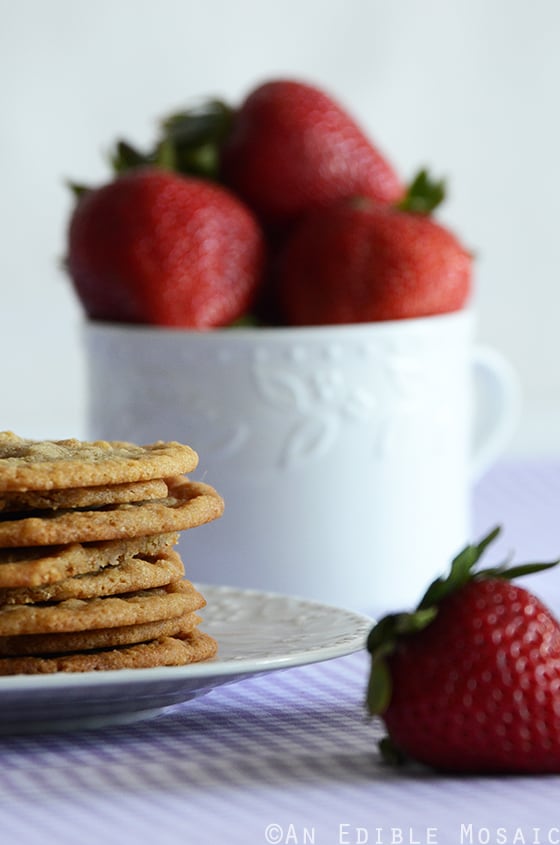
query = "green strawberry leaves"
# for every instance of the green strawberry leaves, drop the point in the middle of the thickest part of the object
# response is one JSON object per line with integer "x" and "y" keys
{"x": 460, "y": 573}
{"x": 77, "y": 189}
{"x": 384, "y": 636}
{"x": 196, "y": 137}
{"x": 381, "y": 642}
{"x": 189, "y": 142}
{"x": 423, "y": 195}
{"x": 125, "y": 157}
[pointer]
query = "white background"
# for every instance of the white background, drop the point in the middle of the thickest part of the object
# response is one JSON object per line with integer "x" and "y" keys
{"x": 469, "y": 88}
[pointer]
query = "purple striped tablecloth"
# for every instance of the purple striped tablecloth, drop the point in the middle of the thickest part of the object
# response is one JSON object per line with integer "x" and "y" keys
{"x": 284, "y": 758}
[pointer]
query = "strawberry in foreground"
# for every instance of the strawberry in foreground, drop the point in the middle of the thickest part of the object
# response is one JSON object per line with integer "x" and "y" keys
{"x": 157, "y": 247}
{"x": 470, "y": 681}
{"x": 291, "y": 148}
{"x": 360, "y": 261}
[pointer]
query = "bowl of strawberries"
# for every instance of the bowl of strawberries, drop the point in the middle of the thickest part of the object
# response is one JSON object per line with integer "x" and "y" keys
{"x": 262, "y": 285}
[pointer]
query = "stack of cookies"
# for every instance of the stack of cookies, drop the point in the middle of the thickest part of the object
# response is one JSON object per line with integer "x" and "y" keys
{"x": 89, "y": 578}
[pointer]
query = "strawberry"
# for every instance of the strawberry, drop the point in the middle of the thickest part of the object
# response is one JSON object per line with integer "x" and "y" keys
{"x": 290, "y": 148}
{"x": 287, "y": 149}
{"x": 360, "y": 261}
{"x": 470, "y": 681}
{"x": 157, "y": 247}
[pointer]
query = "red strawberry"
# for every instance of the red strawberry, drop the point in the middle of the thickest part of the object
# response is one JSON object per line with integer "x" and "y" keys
{"x": 470, "y": 681}
{"x": 291, "y": 148}
{"x": 359, "y": 261}
{"x": 156, "y": 247}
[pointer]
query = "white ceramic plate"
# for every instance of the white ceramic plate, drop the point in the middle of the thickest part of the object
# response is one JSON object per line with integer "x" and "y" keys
{"x": 257, "y": 633}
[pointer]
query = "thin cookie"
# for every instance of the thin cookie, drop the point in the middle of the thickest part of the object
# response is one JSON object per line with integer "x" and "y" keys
{"x": 34, "y": 644}
{"x": 167, "y": 651}
{"x": 189, "y": 504}
{"x": 32, "y": 567}
{"x": 138, "y": 573}
{"x": 106, "y": 612}
{"x": 83, "y": 497}
{"x": 57, "y": 464}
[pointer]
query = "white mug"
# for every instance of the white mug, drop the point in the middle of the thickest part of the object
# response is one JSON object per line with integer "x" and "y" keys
{"x": 345, "y": 454}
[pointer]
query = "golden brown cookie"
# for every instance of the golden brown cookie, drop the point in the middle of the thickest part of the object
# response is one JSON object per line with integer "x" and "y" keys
{"x": 166, "y": 651}
{"x": 83, "y": 497}
{"x": 189, "y": 504}
{"x": 57, "y": 464}
{"x": 89, "y": 580}
{"x": 106, "y": 612}
{"x": 138, "y": 573}
{"x": 31, "y": 567}
{"x": 37, "y": 644}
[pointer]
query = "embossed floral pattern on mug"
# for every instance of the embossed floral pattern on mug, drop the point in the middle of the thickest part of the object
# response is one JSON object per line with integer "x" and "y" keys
{"x": 317, "y": 400}
{"x": 311, "y": 387}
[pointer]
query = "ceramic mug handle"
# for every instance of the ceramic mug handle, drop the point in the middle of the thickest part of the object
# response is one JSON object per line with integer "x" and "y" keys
{"x": 496, "y": 407}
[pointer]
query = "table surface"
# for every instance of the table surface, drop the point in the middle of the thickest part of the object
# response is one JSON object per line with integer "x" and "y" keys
{"x": 288, "y": 757}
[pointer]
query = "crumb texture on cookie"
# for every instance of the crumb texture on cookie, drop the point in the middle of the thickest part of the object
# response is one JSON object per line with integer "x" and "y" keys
{"x": 34, "y": 566}
{"x": 57, "y": 464}
{"x": 138, "y": 573}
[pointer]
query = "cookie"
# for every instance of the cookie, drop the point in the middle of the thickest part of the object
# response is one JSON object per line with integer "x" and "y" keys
{"x": 166, "y": 651}
{"x": 58, "y": 464}
{"x": 189, "y": 504}
{"x": 83, "y": 497}
{"x": 39, "y": 644}
{"x": 32, "y": 567}
{"x": 105, "y": 612}
{"x": 89, "y": 580}
{"x": 138, "y": 573}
